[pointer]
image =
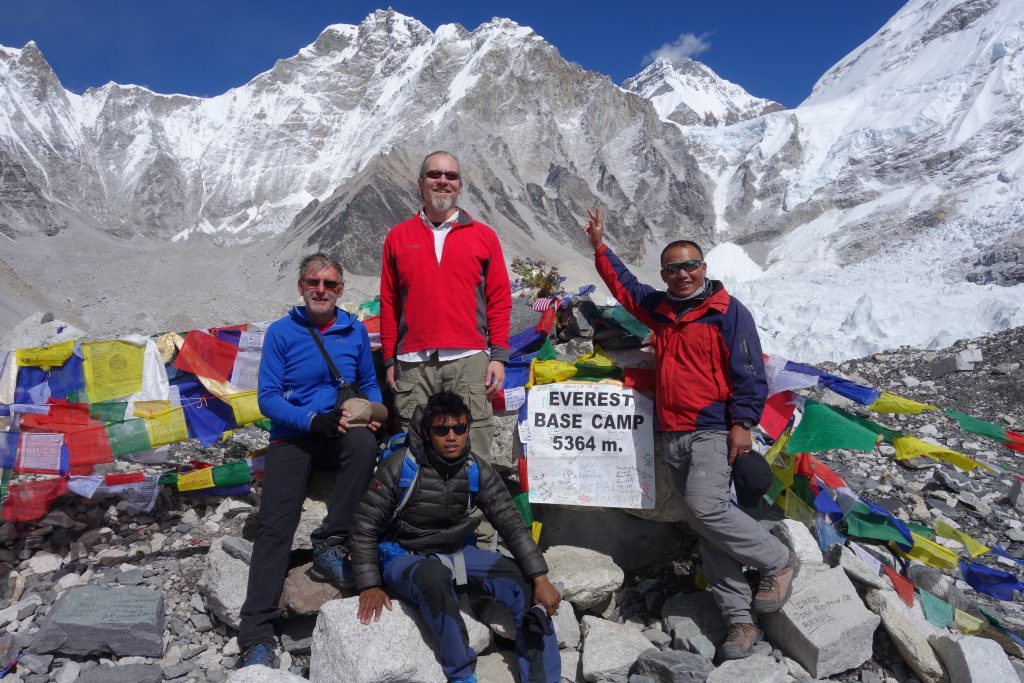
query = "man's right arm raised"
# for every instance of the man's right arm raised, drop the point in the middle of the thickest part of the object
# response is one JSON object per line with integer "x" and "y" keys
{"x": 623, "y": 285}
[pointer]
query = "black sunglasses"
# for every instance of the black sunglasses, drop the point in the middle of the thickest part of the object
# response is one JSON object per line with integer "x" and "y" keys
{"x": 688, "y": 266}
{"x": 448, "y": 175}
{"x": 312, "y": 283}
{"x": 442, "y": 430}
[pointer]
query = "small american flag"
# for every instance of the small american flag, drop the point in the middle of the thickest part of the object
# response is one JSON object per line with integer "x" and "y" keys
{"x": 542, "y": 304}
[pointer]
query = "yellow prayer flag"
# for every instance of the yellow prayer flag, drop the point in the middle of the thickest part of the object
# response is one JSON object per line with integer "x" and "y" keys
{"x": 165, "y": 344}
{"x": 167, "y": 427}
{"x": 965, "y": 623}
{"x": 700, "y": 581}
{"x": 195, "y": 480}
{"x": 778, "y": 447}
{"x": 891, "y": 403}
{"x": 146, "y": 408}
{"x": 974, "y": 547}
{"x": 931, "y": 554}
{"x": 535, "y": 531}
{"x": 784, "y": 468}
{"x": 245, "y": 407}
{"x": 797, "y": 509}
{"x": 113, "y": 369}
{"x": 50, "y": 356}
{"x": 910, "y": 447}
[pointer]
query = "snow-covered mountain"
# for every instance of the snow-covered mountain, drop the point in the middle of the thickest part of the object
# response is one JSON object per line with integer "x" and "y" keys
{"x": 846, "y": 224}
{"x": 689, "y": 93}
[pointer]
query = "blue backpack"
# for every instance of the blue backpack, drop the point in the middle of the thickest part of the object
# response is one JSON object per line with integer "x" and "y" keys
{"x": 389, "y": 550}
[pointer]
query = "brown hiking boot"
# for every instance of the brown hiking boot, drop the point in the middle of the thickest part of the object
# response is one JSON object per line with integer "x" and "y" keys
{"x": 740, "y": 641}
{"x": 775, "y": 589}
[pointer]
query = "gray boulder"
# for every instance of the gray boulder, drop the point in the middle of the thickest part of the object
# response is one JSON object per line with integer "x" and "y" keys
{"x": 225, "y": 578}
{"x": 589, "y": 577}
{"x": 694, "y": 622}
{"x": 673, "y": 666}
{"x": 970, "y": 659}
{"x": 610, "y": 649}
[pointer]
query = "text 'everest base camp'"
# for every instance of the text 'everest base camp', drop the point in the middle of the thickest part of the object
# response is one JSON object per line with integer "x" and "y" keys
{"x": 792, "y": 455}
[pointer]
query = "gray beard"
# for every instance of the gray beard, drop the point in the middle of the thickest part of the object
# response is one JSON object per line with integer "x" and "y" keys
{"x": 442, "y": 204}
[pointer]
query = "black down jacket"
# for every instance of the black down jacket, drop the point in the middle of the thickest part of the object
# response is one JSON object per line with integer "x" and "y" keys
{"x": 435, "y": 519}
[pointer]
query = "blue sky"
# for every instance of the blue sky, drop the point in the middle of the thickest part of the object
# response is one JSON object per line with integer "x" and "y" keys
{"x": 773, "y": 48}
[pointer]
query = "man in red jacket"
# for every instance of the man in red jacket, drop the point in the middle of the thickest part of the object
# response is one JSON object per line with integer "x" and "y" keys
{"x": 445, "y": 303}
{"x": 710, "y": 391}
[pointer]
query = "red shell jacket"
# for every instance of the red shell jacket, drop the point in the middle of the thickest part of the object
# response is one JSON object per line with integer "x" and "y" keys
{"x": 709, "y": 366}
{"x": 463, "y": 302}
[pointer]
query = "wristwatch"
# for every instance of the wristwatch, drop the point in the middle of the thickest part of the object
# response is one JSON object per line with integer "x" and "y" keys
{"x": 746, "y": 424}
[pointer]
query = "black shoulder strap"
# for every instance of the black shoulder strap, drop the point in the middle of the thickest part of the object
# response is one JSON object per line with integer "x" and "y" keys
{"x": 330, "y": 363}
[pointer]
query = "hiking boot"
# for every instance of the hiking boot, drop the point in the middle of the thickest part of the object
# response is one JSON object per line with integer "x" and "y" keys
{"x": 775, "y": 589}
{"x": 260, "y": 653}
{"x": 740, "y": 641}
{"x": 331, "y": 563}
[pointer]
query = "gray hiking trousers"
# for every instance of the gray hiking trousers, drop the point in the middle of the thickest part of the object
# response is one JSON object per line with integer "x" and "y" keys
{"x": 729, "y": 538}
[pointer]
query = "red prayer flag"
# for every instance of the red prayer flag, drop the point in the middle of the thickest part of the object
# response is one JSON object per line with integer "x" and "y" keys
{"x": 31, "y": 500}
{"x": 777, "y": 411}
{"x": 809, "y": 466}
{"x": 372, "y": 324}
{"x": 904, "y": 588}
{"x": 524, "y": 481}
{"x": 1015, "y": 441}
{"x": 124, "y": 478}
{"x": 547, "y": 321}
{"x": 88, "y": 447}
{"x": 204, "y": 355}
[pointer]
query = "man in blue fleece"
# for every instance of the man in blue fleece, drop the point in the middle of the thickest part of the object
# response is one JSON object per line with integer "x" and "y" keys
{"x": 298, "y": 391}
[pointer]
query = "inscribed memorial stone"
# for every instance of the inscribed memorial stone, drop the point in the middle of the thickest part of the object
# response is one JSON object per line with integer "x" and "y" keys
{"x": 824, "y": 626}
{"x": 91, "y": 620}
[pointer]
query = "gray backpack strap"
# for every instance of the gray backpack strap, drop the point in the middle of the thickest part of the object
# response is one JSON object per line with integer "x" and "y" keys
{"x": 456, "y": 564}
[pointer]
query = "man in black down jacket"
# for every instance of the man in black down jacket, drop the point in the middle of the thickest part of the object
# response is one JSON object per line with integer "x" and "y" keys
{"x": 430, "y": 552}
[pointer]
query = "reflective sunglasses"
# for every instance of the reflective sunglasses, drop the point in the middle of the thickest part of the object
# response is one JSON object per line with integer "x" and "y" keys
{"x": 688, "y": 266}
{"x": 448, "y": 175}
{"x": 313, "y": 283}
{"x": 442, "y": 430}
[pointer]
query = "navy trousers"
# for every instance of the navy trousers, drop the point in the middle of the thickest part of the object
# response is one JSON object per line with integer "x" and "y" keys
{"x": 423, "y": 581}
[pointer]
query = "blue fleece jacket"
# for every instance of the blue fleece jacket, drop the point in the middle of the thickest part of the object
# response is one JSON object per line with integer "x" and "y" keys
{"x": 295, "y": 382}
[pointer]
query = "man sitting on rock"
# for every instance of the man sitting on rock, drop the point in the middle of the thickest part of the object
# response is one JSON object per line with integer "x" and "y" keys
{"x": 298, "y": 391}
{"x": 413, "y": 534}
{"x": 711, "y": 389}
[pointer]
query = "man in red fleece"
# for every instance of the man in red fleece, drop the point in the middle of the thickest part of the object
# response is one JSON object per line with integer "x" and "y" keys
{"x": 445, "y": 303}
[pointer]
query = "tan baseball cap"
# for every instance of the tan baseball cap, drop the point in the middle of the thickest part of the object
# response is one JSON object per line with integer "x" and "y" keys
{"x": 364, "y": 412}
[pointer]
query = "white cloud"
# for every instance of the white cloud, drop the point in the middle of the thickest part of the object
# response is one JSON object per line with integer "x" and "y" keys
{"x": 686, "y": 46}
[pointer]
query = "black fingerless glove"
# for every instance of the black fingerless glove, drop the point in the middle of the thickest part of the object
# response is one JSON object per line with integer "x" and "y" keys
{"x": 538, "y": 621}
{"x": 325, "y": 424}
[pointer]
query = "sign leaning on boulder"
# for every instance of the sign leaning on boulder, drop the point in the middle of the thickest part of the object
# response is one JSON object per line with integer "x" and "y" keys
{"x": 589, "y": 444}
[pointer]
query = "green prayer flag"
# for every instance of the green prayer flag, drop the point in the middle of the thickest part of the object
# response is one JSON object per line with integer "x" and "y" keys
{"x": 979, "y": 427}
{"x": 774, "y": 490}
{"x": 863, "y": 523}
{"x": 128, "y": 436}
{"x": 547, "y": 351}
{"x": 231, "y": 474}
{"x": 76, "y": 397}
{"x": 921, "y": 530}
{"x": 110, "y": 411}
{"x": 522, "y": 502}
{"x": 585, "y": 371}
{"x": 824, "y": 428}
{"x": 263, "y": 424}
{"x": 372, "y": 306}
{"x": 169, "y": 479}
{"x": 618, "y": 316}
{"x": 802, "y": 487}
{"x": 938, "y": 612}
{"x": 5, "y": 479}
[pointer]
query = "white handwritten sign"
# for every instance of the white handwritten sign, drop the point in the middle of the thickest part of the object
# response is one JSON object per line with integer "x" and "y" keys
{"x": 589, "y": 444}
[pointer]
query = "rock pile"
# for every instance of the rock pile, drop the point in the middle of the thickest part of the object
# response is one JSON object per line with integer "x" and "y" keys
{"x": 97, "y": 591}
